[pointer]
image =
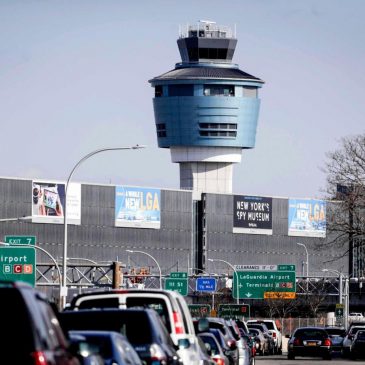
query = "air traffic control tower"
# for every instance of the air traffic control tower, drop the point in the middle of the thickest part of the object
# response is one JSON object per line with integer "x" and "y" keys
{"x": 206, "y": 108}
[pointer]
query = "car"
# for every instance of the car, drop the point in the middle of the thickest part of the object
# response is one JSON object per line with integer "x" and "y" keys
{"x": 275, "y": 329}
{"x": 357, "y": 349}
{"x": 337, "y": 335}
{"x": 170, "y": 305}
{"x": 267, "y": 334}
{"x": 142, "y": 327}
{"x": 310, "y": 341}
{"x": 347, "y": 341}
{"x": 261, "y": 342}
{"x": 113, "y": 347}
{"x": 86, "y": 352}
{"x": 205, "y": 357}
{"x": 353, "y": 316}
{"x": 31, "y": 333}
{"x": 215, "y": 351}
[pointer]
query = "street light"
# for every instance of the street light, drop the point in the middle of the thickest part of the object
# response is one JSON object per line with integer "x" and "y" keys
{"x": 145, "y": 253}
{"x": 64, "y": 264}
{"x": 49, "y": 255}
{"x": 227, "y": 263}
{"x": 306, "y": 252}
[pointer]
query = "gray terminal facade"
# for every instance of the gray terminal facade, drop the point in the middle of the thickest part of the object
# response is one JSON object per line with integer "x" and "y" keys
{"x": 190, "y": 232}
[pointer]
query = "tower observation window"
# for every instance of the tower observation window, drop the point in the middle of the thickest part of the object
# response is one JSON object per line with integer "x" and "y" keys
{"x": 158, "y": 91}
{"x": 161, "y": 130}
{"x": 181, "y": 90}
{"x": 218, "y": 130}
{"x": 218, "y": 90}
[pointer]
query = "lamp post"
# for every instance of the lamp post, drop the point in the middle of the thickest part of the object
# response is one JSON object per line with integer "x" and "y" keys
{"x": 235, "y": 271}
{"x": 65, "y": 243}
{"x": 145, "y": 253}
{"x": 50, "y": 256}
{"x": 307, "y": 261}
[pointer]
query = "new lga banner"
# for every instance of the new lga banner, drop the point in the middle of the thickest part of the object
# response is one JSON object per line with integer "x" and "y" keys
{"x": 252, "y": 214}
{"x": 137, "y": 207}
{"x": 48, "y": 202}
{"x": 307, "y": 218}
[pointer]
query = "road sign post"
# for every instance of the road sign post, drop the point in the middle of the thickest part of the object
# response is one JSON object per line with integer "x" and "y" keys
{"x": 265, "y": 282}
{"x": 18, "y": 264}
{"x": 179, "y": 285}
{"x": 200, "y": 310}
{"x": 232, "y": 311}
{"x": 206, "y": 284}
{"x": 20, "y": 240}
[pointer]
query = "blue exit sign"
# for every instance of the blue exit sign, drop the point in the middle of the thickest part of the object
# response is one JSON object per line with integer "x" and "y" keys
{"x": 206, "y": 284}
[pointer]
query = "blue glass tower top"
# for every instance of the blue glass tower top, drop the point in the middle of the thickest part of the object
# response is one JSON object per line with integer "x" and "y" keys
{"x": 206, "y": 109}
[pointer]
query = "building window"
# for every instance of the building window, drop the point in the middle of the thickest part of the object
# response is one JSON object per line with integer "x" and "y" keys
{"x": 158, "y": 91}
{"x": 181, "y": 90}
{"x": 218, "y": 90}
{"x": 161, "y": 129}
{"x": 218, "y": 130}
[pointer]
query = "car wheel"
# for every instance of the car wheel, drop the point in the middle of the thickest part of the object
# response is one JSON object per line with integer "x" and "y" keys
{"x": 291, "y": 357}
{"x": 280, "y": 351}
{"x": 327, "y": 357}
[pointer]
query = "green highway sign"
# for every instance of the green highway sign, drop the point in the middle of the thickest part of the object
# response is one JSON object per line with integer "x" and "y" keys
{"x": 21, "y": 240}
{"x": 200, "y": 310}
{"x": 18, "y": 264}
{"x": 230, "y": 311}
{"x": 179, "y": 275}
{"x": 276, "y": 283}
{"x": 179, "y": 285}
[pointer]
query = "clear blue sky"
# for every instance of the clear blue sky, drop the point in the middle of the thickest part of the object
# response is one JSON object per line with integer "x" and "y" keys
{"x": 74, "y": 78}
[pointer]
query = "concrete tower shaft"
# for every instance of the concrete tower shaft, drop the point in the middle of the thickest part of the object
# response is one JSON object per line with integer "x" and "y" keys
{"x": 206, "y": 108}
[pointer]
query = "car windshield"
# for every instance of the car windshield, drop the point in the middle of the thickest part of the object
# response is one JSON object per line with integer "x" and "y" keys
{"x": 311, "y": 333}
{"x": 336, "y": 331}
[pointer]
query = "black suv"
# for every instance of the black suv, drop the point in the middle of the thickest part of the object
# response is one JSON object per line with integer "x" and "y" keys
{"x": 143, "y": 328}
{"x": 30, "y": 331}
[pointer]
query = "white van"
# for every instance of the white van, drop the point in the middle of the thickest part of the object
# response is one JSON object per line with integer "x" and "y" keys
{"x": 170, "y": 305}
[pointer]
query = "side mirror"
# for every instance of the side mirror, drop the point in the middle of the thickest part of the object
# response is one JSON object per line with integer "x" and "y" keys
{"x": 209, "y": 349}
{"x": 183, "y": 343}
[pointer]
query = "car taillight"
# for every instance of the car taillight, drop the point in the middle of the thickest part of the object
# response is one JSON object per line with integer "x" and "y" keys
{"x": 39, "y": 358}
{"x": 327, "y": 342}
{"x": 218, "y": 361}
{"x": 273, "y": 334}
{"x": 231, "y": 344}
{"x": 179, "y": 328}
{"x": 297, "y": 342}
{"x": 157, "y": 354}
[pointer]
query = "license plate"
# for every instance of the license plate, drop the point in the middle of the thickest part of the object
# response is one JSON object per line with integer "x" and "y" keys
{"x": 311, "y": 343}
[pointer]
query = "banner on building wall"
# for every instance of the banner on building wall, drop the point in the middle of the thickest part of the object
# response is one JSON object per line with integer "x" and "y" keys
{"x": 252, "y": 214}
{"x": 48, "y": 202}
{"x": 307, "y": 217}
{"x": 137, "y": 207}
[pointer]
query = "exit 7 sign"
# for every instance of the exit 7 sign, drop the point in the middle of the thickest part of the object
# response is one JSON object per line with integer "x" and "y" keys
{"x": 20, "y": 240}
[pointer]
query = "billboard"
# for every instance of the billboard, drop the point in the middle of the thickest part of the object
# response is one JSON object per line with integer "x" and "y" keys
{"x": 307, "y": 218}
{"x": 252, "y": 214}
{"x": 48, "y": 202}
{"x": 137, "y": 207}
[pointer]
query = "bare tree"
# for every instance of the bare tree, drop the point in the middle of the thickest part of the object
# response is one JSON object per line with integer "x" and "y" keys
{"x": 345, "y": 169}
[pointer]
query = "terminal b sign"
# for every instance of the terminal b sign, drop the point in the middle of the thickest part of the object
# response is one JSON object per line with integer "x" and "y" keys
{"x": 18, "y": 264}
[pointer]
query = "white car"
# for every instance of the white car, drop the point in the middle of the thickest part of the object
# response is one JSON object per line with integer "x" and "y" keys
{"x": 347, "y": 341}
{"x": 356, "y": 317}
{"x": 274, "y": 330}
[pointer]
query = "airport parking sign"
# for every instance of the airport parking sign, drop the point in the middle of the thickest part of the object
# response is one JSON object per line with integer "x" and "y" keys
{"x": 18, "y": 264}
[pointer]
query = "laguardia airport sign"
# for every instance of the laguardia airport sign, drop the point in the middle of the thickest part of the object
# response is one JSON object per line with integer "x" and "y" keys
{"x": 264, "y": 282}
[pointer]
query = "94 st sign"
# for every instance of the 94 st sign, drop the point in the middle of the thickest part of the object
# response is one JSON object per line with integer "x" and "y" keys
{"x": 264, "y": 282}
